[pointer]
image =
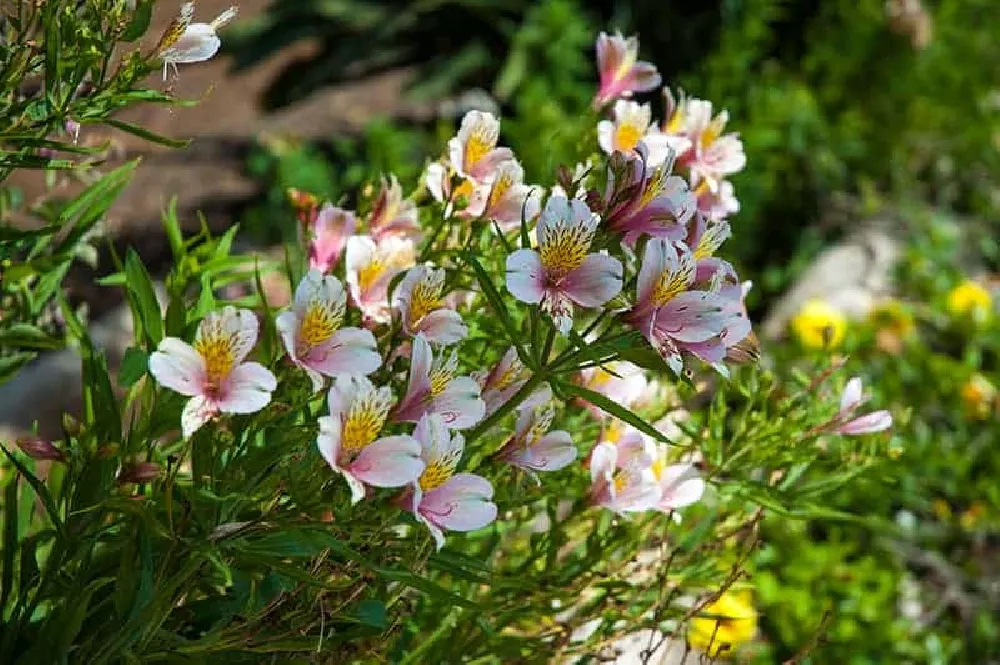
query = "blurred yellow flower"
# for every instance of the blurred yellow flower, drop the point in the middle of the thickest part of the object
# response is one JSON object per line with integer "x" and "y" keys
{"x": 726, "y": 624}
{"x": 969, "y": 298}
{"x": 818, "y": 325}
{"x": 969, "y": 518}
{"x": 978, "y": 395}
{"x": 941, "y": 509}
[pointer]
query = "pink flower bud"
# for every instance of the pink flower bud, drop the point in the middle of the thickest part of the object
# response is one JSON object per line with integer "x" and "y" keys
{"x": 138, "y": 472}
{"x": 40, "y": 449}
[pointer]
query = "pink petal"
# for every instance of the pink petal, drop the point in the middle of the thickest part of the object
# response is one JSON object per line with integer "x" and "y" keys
{"x": 247, "y": 389}
{"x": 349, "y": 351}
{"x": 460, "y": 404}
{"x": 552, "y": 452}
{"x": 176, "y": 365}
{"x": 418, "y": 387}
{"x": 392, "y": 461}
{"x": 328, "y": 440}
{"x": 644, "y": 77}
{"x": 877, "y": 421}
{"x": 696, "y": 316}
{"x": 851, "y": 398}
{"x": 485, "y": 167}
{"x": 596, "y": 281}
{"x": 444, "y": 326}
{"x": 603, "y": 460}
{"x": 198, "y": 411}
{"x": 462, "y": 503}
{"x": 525, "y": 275}
{"x": 655, "y": 261}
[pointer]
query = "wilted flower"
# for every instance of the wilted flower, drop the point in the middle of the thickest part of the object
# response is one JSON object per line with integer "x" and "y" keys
{"x": 328, "y": 237}
{"x": 643, "y": 200}
{"x": 845, "y": 422}
{"x": 970, "y": 299}
{"x": 474, "y": 153}
{"x": 533, "y": 447}
{"x": 312, "y": 334}
{"x": 724, "y": 624}
{"x": 442, "y": 499}
{"x": 621, "y": 71}
{"x": 675, "y": 318}
{"x": 818, "y": 325}
{"x": 420, "y": 301}
{"x": 501, "y": 382}
{"x": 370, "y": 267}
{"x": 349, "y": 438}
{"x": 506, "y": 199}
{"x": 433, "y": 388}
{"x": 562, "y": 271}
{"x": 392, "y": 214}
{"x": 185, "y": 42}
{"x": 632, "y": 124}
{"x": 40, "y": 449}
{"x": 212, "y": 372}
{"x": 622, "y": 479}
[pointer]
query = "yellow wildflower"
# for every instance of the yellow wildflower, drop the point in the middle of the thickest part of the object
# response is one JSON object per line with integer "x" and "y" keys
{"x": 819, "y": 325}
{"x": 978, "y": 395}
{"x": 724, "y": 625}
{"x": 969, "y": 298}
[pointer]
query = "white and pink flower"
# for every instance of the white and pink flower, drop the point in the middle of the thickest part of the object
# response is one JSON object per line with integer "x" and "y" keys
{"x": 420, "y": 302}
{"x": 212, "y": 372}
{"x": 622, "y": 479}
{"x": 502, "y": 381}
{"x": 370, "y": 267}
{"x": 533, "y": 447}
{"x": 850, "y": 401}
{"x": 473, "y": 153}
{"x": 441, "y": 499}
{"x": 328, "y": 237}
{"x": 643, "y": 200}
{"x": 621, "y": 72}
{"x": 632, "y": 124}
{"x": 313, "y": 335}
{"x": 619, "y": 380}
{"x": 506, "y": 199}
{"x": 433, "y": 388}
{"x": 713, "y": 155}
{"x": 393, "y": 215}
{"x": 349, "y": 438}
{"x": 675, "y": 318}
{"x": 562, "y": 271}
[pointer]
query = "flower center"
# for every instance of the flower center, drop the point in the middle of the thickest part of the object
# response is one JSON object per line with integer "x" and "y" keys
{"x": 715, "y": 234}
{"x": 510, "y": 375}
{"x": 370, "y": 274}
{"x": 672, "y": 283}
{"x": 480, "y": 142}
{"x": 440, "y": 378}
{"x": 363, "y": 422}
{"x": 425, "y": 298}
{"x": 564, "y": 249}
{"x": 501, "y": 186}
{"x": 319, "y": 323}
{"x": 627, "y": 136}
{"x": 613, "y": 432}
{"x": 217, "y": 351}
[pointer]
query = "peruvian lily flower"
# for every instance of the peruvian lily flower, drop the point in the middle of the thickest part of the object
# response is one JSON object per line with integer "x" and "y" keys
{"x": 185, "y": 42}
{"x": 850, "y": 401}
{"x": 420, "y": 302}
{"x": 392, "y": 214}
{"x": 533, "y": 447}
{"x": 619, "y": 380}
{"x": 674, "y": 318}
{"x": 713, "y": 155}
{"x": 622, "y": 479}
{"x": 501, "y": 382}
{"x": 329, "y": 233}
{"x": 643, "y": 200}
{"x": 506, "y": 199}
{"x": 434, "y": 388}
{"x": 349, "y": 438}
{"x": 621, "y": 71}
{"x": 442, "y": 499}
{"x": 718, "y": 204}
{"x": 370, "y": 267}
{"x": 312, "y": 334}
{"x": 632, "y": 124}
{"x": 680, "y": 484}
{"x": 474, "y": 153}
{"x": 562, "y": 271}
{"x": 212, "y": 372}
{"x": 437, "y": 179}
{"x": 705, "y": 236}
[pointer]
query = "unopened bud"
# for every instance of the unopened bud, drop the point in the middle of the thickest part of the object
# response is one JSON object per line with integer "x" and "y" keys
{"x": 40, "y": 449}
{"x": 306, "y": 205}
{"x": 70, "y": 425}
{"x": 138, "y": 472}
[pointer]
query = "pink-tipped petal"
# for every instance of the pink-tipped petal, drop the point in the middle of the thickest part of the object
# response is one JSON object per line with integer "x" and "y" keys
{"x": 176, "y": 365}
{"x": 462, "y": 503}
{"x": 392, "y": 461}
{"x": 247, "y": 389}
{"x": 525, "y": 278}
{"x": 287, "y": 326}
{"x": 198, "y": 411}
{"x": 877, "y": 421}
{"x": 350, "y": 351}
{"x": 444, "y": 327}
{"x": 851, "y": 398}
{"x": 460, "y": 404}
{"x": 596, "y": 281}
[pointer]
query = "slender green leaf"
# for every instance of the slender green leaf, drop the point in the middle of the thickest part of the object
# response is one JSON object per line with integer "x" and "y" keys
{"x": 142, "y": 133}
{"x": 133, "y": 366}
{"x": 140, "y": 286}
{"x": 40, "y": 489}
{"x": 613, "y": 408}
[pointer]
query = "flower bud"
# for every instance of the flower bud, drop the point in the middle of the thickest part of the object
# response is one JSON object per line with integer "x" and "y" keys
{"x": 70, "y": 425}
{"x": 40, "y": 449}
{"x": 138, "y": 472}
